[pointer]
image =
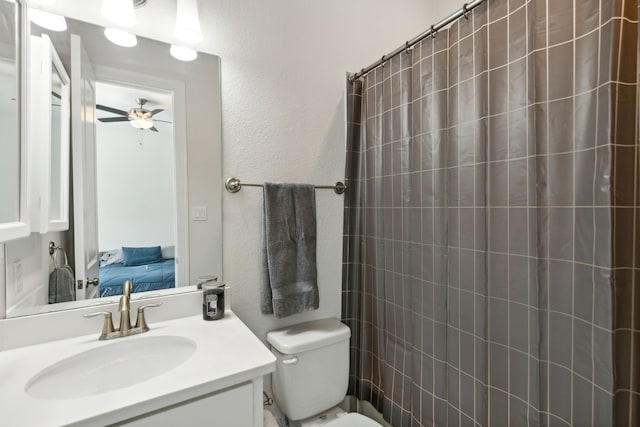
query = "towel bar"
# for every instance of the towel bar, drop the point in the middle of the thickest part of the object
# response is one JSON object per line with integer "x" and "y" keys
{"x": 233, "y": 185}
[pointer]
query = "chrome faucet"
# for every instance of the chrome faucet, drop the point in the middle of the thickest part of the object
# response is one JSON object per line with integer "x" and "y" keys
{"x": 124, "y": 328}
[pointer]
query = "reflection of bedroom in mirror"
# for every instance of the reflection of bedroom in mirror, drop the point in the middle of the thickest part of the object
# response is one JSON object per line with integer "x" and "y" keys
{"x": 129, "y": 187}
{"x": 136, "y": 197}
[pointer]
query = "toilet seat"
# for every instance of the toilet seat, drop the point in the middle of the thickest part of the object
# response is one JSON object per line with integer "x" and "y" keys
{"x": 352, "y": 419}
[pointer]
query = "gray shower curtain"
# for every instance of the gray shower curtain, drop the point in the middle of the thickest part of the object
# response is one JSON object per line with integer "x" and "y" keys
{"x": 491, "y": 249}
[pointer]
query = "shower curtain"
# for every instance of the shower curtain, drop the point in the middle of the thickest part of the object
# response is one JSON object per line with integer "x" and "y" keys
{"x": 491, "y": 240}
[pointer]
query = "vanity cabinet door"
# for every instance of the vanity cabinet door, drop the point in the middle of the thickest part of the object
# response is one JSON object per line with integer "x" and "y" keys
{"x": 233, "y": 407}
{"x": 49, "y": 138}
{"x": 14, "y": 215}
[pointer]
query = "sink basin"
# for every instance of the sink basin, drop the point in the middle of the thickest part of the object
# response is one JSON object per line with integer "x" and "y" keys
{"x": 109, "y": 367}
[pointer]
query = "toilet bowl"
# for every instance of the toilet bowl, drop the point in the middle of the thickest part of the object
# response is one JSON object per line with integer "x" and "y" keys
{"x": 337, "y": 418}
{"x": 312, "y": 371}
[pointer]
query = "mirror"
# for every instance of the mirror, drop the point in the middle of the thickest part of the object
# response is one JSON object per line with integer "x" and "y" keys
{"x": 116, "y": 158}
{"x": 13, "y": 184}
{"x": 9, "y": 109}
{"x": 59, "y": 85}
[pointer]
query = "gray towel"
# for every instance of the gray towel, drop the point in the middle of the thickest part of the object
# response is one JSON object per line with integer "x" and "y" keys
{"x": 62, "y": 285}
{"x": 289, "y": 254}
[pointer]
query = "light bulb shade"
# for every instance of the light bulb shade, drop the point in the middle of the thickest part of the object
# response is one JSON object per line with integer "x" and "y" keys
{"x": 183, "y": 53}
{"x": 141, "y": 123}
{"x": 120, "y": 37}
{"x": 48, "y": 20}
{"x": 188, "y": 22}
{"x": 119, "y": 12}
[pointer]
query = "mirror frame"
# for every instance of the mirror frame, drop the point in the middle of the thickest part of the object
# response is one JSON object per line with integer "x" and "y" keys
{"x": 21, "y": 228}
{"x": 41, "y": 155}
{"x": 62, "y": 223}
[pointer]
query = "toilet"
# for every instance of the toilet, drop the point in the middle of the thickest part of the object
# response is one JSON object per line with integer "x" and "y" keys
{"x": 312, "y": 373}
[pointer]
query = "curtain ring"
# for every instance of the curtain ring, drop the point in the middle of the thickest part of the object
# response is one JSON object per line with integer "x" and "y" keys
{"x": 407, "y": 49}
{"x": 433, "y": 31}
{"x": 465, "y": 11}
{"x": 383, "y": 61}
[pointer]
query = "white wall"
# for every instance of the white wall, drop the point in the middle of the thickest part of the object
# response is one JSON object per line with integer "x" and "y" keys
{"x": 136, "y": 186}
{"x": 32, "y": 253}
{"x": 283, "y": 97}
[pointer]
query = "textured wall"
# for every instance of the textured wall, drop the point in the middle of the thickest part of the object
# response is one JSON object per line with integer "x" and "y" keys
{"x": 283, "y": 83}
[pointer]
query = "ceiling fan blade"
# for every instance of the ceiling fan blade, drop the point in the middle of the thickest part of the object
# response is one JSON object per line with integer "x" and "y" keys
{"x": 156, "y": 111}
{"x": 153, "y": 128}
{"x": 161, "y": 121}
{"x": 114, "y": 119}
{"x": 112, "y": 110}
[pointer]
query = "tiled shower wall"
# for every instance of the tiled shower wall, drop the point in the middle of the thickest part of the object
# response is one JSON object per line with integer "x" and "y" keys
{"x": 492, "y": 210}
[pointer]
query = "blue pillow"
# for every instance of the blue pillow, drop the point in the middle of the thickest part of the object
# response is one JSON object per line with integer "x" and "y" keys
{"x": 141, "y": 256}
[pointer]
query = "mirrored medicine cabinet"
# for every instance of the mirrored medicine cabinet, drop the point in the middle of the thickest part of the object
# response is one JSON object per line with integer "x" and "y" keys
{"x": 47, "y": 188}
{"x": 14, "y": 214}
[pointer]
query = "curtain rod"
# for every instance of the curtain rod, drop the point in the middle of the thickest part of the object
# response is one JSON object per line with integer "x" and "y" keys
{"x": 466, "y": 8}
{"x": 233, "y": 185}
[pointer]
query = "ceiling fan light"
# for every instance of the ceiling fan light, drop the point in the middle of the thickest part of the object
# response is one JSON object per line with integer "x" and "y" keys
{"x": 48, "y": 20}
{"x": 183, "y": 53}
{"x": 187, "y": 27}
{"x": 119, "y": 12}
{"x": 120, "y": 37}
{"x": 141, "y": 123}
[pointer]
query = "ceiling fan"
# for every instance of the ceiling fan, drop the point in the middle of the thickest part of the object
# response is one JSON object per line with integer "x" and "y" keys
{"x": 139, "y": 117}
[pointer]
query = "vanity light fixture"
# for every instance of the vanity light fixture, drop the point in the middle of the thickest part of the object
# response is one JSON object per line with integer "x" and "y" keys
{"x": 183, "y": 53}
{"x": 187, "y": 27}
{"x": 120, "y": 37}
{"x": 48, "y": 20}
{"x": 119, "y": 12}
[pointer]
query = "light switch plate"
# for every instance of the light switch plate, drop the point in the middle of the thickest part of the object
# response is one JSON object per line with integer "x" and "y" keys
{"x": 199, "y": 213}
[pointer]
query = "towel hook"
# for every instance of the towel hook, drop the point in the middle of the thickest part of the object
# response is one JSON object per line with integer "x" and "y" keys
{"x": 53, "y": 252}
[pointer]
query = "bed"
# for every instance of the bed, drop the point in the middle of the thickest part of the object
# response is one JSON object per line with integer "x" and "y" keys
{"x": 148, "y": 272}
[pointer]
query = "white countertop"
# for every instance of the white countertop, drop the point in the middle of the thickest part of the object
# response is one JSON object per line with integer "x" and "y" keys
{"x": 227, "y": 354}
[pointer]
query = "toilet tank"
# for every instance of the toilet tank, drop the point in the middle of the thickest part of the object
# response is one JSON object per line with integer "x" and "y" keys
{"x": 312, "y": 367}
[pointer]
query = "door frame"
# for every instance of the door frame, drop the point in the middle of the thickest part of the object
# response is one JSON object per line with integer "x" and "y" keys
{"x": 116, "y": 76}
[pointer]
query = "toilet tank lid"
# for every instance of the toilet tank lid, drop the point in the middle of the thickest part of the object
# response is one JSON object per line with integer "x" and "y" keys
{"x": 308, "y": 336}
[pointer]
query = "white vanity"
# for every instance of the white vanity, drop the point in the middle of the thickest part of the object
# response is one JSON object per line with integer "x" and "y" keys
{"x": 215, "y": 378}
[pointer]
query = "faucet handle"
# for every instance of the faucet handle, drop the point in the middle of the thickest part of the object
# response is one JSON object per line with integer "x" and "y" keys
{"x": 107, "y": 326}
{"x": 140, "y": 320}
